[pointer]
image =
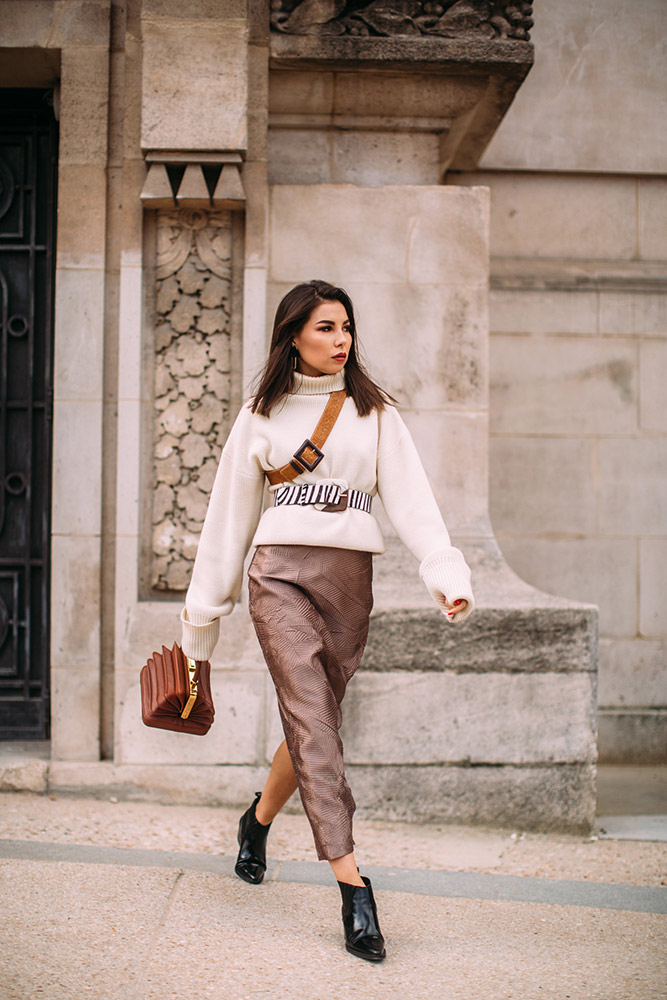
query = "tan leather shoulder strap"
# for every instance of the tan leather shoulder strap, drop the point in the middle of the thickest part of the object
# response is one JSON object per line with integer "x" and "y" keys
{"x": 310, "y": 454}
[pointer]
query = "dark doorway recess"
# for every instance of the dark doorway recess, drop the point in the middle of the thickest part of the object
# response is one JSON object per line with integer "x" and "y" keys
{"x": 28, "y": 163}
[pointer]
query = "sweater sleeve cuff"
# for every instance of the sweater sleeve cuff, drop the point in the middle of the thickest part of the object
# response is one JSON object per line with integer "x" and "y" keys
{"x": 199, "y": 636}
{"x": 446, "y": 574}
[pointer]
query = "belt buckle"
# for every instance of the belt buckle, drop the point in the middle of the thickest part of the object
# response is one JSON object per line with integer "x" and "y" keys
{"x": 332, "y": 508}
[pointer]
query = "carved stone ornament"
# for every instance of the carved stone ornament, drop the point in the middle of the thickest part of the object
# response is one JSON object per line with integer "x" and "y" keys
{"x": 192, "y": 382}
{"x": 489, "y": 19}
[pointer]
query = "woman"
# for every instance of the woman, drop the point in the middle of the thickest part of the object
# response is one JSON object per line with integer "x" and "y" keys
{"x": 310, "y": 577}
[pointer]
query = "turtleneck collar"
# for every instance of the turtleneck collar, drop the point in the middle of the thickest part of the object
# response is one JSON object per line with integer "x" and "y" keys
{"x": 317, "y": 385}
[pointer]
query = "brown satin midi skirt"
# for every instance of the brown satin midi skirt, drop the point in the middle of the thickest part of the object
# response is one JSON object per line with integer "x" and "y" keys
{"x": 310, "y": 606}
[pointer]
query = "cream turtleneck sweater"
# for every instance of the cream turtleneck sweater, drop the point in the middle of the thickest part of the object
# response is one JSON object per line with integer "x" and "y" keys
{"x": 374, "y": 453}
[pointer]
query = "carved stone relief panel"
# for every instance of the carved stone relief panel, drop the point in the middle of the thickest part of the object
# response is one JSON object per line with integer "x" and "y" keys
{"x": 489, "y": 19}
{"x": 192, "y": 382}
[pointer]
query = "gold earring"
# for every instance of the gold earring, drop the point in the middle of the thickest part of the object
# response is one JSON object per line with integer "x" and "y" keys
{"x": 295, "y": 356}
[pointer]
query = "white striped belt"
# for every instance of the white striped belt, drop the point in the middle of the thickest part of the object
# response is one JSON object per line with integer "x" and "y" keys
{"x": 335, "y": 497}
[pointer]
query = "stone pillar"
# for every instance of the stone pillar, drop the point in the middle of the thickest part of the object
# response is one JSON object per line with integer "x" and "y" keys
{"x": 78, "y": 387}
{"x": 180, "y": 340}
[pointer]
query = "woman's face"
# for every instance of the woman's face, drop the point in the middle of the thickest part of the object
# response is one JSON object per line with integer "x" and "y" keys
{"x": 324, "y": 341}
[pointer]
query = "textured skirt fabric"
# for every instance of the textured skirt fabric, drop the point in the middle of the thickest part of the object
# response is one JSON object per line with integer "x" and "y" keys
{"x": 310, "y": 606}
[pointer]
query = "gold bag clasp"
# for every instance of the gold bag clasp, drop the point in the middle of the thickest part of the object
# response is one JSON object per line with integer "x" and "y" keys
{"x": 193, "y": 685}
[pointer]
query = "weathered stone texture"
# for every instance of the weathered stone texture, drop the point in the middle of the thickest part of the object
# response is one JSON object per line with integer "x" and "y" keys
{"x": 434, "y": 360}
{"x": 653, "y": 585}
{"x": 544, "y": 215}
{"x": 532, "y": 377}
{"x": 443, "y": 718}
{"x": 422, "y": 235}
{"x": 171, "y": 784}
{"x": 652, "y": 217}
{"x": 194, "y": 92}
{"x": 643, "y": 314}
{"x": 454, "y": 448}
{"x": 534, "y": 481}
{"x": 28, "y": 776}
{"x": 600, "y": 571}
{"x": 75, "y": 564}
{"x": 495, "y": 640}
{"x": 652, "y": 374}
{"x": 538, "y": 798}
{"x": 369, "y": 159}
{"x": 624, "y": 508}
{"x": 75, "y": 693}
{"x": 592, "y": 99}
{"x": 627, "y": 736}
{"x": 84, "y": 93}
{"x": 632, "y": 672}
{"x": 532, "y": 798}
{"x": 76, "y": 428}
{"x": 541, "y": 311}
{"x": 79, "y": 350}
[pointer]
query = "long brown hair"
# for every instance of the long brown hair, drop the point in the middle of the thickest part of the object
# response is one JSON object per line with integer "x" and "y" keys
{"x": 277, "y": 376}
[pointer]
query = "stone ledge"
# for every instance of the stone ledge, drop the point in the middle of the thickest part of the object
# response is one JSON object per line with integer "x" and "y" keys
{"x": 514, "y": 627}
{"x": 529, "y": 273}
{"x": 497, "y": 67}
{"x": 24, "y": 766}
{"x": 559, "y": 798}
{"x": 168, "y": 784}
{"x": 493, "y": 639}
{"x": 28, "y": 776}
{"x": 533, "y": 798}
{"x": 472, "y": 56}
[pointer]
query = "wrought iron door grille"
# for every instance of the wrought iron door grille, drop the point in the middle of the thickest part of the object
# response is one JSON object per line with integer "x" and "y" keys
{"x": 28, "y": 157}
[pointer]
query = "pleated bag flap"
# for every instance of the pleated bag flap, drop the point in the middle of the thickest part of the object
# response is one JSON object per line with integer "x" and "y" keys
{"x": 166, "y": 689}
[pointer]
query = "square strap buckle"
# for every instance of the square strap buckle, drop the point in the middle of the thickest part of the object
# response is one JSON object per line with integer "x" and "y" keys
{"x": 342, "y": 504}
{"x": 302, "y": 460}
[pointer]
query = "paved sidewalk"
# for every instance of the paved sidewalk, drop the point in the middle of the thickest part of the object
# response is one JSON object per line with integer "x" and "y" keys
{"x": 130, "y": 901}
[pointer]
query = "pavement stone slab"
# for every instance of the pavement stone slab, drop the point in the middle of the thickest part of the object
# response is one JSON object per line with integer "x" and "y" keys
{"x": 72, "y": 930}
{"x": 111, "y": 932}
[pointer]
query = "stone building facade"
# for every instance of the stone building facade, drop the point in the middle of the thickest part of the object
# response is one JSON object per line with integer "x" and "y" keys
{"x": 213, "y": 154}
{"x": 578, "y": 314}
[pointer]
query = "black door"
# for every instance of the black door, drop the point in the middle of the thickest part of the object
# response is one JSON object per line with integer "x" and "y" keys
{"x": 28, "y": 159}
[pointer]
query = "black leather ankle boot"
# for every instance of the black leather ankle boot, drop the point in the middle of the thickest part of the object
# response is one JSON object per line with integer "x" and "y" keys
{"x": 363, "y": 936}
{"x": 251, "y": 861}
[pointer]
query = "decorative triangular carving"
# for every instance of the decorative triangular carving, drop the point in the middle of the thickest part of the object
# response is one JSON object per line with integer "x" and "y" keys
{"x": 156, "y": 192}
{"x": 229, "y": 191}
{"x": 192, "y": 191}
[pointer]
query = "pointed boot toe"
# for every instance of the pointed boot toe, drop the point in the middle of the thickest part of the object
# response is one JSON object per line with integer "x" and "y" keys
{"x": 251, "y": 861}
{"x": 363, "y": 936}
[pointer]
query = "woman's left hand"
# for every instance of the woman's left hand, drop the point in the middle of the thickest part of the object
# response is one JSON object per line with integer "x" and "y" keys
{"x": 455, "y": 606}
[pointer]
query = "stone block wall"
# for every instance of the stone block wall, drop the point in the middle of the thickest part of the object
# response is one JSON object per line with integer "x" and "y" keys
{"x": 578, "y": 316}
{"x": 578, "y": 423}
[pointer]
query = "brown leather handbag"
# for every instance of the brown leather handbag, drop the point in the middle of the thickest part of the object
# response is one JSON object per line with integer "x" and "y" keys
{"x": 176, "y": 692}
